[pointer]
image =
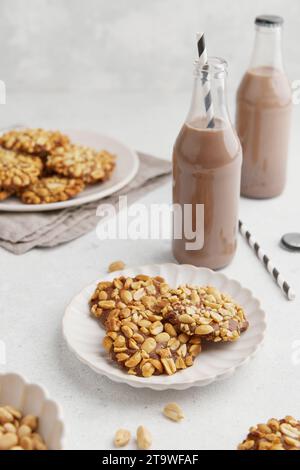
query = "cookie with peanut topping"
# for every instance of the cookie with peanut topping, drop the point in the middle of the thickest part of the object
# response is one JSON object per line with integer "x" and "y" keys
{"x": 77, "y": 161}
{"x": 17, "y": 170}
{"x": 117, "y": 298}
{"x": 137, "y": 338}
{"x": 145, "y": 348}
{"x": 144, "y": 313}
{"x": 207, "y": 312}
{"x": 283, "y": 434}
{"x": 51, "y": 189}
{"x": 38, "y": 142}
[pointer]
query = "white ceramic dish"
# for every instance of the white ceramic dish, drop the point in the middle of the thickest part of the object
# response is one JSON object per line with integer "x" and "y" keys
{"x": 127, "y": 165}
{"x": 218, "y": 361}
{"x": 33, "y": 399}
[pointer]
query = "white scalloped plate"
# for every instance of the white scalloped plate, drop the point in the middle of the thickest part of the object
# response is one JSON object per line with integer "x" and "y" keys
{"x": 217, "y": 361}
{"x": 34, "y": 399}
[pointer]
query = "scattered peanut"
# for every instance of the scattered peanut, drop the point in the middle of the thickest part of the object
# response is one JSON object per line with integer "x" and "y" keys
{"x": 122, "y": 438}
{"x": 173, "y": 412}
{"x": 116, "y": 266}
{"x": 144, "y": 438}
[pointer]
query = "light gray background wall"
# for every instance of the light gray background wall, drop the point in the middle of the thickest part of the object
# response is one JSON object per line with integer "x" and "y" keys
{"x": 129, "y": 44}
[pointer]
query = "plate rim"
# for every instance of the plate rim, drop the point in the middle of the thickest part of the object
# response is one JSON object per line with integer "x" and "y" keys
{"x": 140, "y": 382}
{"x": 80, "y": 200}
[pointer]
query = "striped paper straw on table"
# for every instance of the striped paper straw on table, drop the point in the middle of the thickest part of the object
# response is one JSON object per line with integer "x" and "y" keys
{"x": 261, "y": 255}
{"x": 202, "y": 60}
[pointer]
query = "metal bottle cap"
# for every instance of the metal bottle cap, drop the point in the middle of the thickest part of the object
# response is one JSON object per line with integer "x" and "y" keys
{"x": 268, "y": 20}
{"x": 291, "y": 241}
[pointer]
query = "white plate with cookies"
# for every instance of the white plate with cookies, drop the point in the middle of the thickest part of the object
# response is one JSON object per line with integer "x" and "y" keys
{"x": 126, "y": 167}
{"x": 84, "y": 334}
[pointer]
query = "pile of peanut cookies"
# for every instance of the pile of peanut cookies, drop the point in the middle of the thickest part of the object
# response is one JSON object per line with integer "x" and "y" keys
{"x": 41, "y": 166}
{"x": 153, "y": 329}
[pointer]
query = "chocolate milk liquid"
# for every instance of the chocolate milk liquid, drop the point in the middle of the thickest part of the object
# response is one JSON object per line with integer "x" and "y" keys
{"x": 207, "y": 170}
{"x": 263, "y": 121}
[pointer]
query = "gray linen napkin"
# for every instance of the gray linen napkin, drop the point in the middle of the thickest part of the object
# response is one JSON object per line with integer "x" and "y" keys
{"x": 20, "y": 232}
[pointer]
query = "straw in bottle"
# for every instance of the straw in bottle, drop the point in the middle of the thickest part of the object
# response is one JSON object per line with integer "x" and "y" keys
{"x": 202, "y": 61}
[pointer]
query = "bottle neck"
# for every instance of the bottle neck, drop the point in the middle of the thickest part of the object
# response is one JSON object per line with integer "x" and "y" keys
{"x": 209, "y": 87}
{"x": 267, "y": 50}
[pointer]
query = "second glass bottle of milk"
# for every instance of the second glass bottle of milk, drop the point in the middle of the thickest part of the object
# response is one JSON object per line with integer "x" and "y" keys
{"x": 263, "y": 118}
{"x": 207, "y": 161}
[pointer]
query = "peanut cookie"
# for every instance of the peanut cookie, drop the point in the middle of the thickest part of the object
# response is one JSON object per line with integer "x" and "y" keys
{"x": 206, "y": 312}
{"x": 149, "y": 347}
{"x": 117, "y": 299}
{"x": 5, "y": 193}
{"x": 18, "y": 171}
{"x": 77, "y": 161}
{"x": 281, "y": 434}
{"x": 137, "y": 338}
{"x": 51, "y": 189}
{"x": 34, "y": 141}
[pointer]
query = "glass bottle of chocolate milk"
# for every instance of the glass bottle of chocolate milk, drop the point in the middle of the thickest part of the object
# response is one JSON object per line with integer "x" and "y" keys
{"x": 264, "y": 106}
{"x": 207, "y": 162}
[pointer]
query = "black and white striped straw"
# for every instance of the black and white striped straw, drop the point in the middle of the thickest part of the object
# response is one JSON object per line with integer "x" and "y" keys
{"x": 261, "y": 255}
{"x": 202, "y": 60}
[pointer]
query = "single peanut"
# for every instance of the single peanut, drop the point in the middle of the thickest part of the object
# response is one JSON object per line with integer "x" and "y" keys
{"x": 204, "y": 330}
{"x": 26, "y": 442}
{"x": 173, "y": 412}
{"x": 16, "y": 413}
{"x": 9, "y": 427}
{"x": 7, "y": 441}
{"x": 122, "y": 438}
{"x": 30, "y": 421}
{"x": 144, "y": 438}
{"x": 5, "y": 416}
{"x": 23, "y": 431}
{"x": 116, "y": 266}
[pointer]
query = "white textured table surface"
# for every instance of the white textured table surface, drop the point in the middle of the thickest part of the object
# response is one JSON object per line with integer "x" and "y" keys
{"x": 36, "y": 287}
